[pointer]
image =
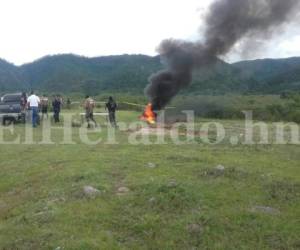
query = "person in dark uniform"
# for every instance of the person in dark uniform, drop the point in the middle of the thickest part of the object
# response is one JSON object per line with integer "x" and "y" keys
{"x": 56, "y": 105}
{"x": 111, "y": 106}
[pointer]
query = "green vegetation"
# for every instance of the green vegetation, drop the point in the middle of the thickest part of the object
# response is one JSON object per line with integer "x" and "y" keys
{"x": 264, "y": 107}
{"x": 129, "y": 74}
{"x": 75, "y": 74}
{"x": 181, "y": 202}
{"x": 158, "y": 196}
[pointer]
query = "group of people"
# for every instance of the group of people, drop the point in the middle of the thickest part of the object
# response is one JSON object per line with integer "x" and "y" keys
{"x": 37, "y": 104}
{"x": 110, "y": 106}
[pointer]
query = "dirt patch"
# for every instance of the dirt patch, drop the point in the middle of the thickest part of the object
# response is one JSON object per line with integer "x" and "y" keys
{"x": 194, "y": 229}
{"x": 90, "y": 191}
{"x": 221, "y": 171}
{"x": 265, "y": 210}
{"x": 122, "y": 190}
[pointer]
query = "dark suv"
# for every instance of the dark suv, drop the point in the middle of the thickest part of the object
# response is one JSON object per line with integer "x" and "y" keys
{"x": 10, "y": 109}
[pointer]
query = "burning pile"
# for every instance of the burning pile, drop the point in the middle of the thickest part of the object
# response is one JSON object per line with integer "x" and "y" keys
{"x": 149, "y": 115}
{"x": 227, "y": 23}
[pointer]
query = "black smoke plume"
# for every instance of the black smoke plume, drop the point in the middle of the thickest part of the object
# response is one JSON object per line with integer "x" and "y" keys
{"x": 227, "y": 22}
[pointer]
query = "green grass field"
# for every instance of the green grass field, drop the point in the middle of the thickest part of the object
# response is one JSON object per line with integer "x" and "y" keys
{"x": 176, "y": 198}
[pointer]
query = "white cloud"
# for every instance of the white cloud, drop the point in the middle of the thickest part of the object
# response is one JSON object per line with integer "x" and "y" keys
{"x": 33, "y": 28}
{"x": 290, "y": 47}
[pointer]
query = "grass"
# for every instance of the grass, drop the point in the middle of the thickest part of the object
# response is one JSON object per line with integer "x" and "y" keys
{"x": 181, "y": 203}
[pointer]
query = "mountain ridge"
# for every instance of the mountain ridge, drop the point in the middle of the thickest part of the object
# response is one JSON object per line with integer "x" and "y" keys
{"x": 68, "y": 73}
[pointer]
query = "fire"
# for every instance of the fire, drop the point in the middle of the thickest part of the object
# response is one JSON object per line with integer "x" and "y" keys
{"x": 149, "y": 115}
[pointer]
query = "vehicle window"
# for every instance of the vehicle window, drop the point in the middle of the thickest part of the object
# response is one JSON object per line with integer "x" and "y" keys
{"x": 11, "y": 98}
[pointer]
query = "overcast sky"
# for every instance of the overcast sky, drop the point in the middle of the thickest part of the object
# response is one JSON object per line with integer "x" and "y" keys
{"x": 31, "y": 29}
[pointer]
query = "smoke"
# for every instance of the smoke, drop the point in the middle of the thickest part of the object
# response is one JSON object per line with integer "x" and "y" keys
{"x": 226, "y": 23}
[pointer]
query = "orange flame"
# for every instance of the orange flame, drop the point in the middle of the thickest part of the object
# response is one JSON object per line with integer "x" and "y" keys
{"x": 149, "y": 115}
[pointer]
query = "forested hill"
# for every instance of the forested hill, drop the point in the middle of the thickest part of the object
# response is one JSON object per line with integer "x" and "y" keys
{"x": 10, "y": 77}
{"x": 129, "y": 73}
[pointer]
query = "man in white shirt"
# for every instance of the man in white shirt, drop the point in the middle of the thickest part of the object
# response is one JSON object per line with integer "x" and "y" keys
{"x": 33, "y": 102}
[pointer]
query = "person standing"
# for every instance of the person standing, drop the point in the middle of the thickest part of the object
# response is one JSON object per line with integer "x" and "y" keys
{"x": 56, "y": 105}
{"x": 89, "y": 105}
{"x": 69, "y": 103}
{"x": 33, "y": 102}
{"x": 111, "y": 106}
{"x": 23, "y": 104}
{"x": 44, "y": 106}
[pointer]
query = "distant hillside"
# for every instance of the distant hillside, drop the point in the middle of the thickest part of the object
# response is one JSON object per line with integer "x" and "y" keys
{"x": 272, "y": 75}
{"x": 69, "y": 73}
{"x": 129, "y": 73}
{"x": 10, "y": 77}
